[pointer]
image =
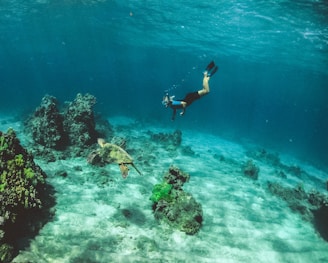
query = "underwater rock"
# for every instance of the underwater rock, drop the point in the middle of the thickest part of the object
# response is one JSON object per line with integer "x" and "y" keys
{"x": 251, "y": 170}
{"x": 176, "y": 177}
{"x": 312, "y": 206}
{"x": 171, "y": 141}
{"x": 321, "y": 221}
{"x": 296, "y": 171}
{"x": 320, "y": 213}
{"x": 79, "y": 121}
{"x": 296, "y": 198}
{"x": 46, "y": 154}
{"x": 173, "y": 206}
{"x": 70, "y": 133}
{"x": 46, "y": 124}
{"x": 25, "y": 198}
{"x": 265, "y": 156}
{"x": 274, "y": 160}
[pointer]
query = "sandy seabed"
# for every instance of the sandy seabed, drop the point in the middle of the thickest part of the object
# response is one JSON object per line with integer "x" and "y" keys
{"x": 101, "y": 217}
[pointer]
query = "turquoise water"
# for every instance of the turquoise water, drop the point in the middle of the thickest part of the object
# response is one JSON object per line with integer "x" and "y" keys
{"x": 270, "y": 93}
{"x": 273, "y": 56}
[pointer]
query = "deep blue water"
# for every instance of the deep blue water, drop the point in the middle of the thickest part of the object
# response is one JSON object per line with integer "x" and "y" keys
{"x": 271, "y": 88}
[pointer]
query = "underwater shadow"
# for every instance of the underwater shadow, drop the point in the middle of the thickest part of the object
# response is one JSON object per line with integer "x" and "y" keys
{"x": 131, "y": 214}
{"x": 134, "y": 216}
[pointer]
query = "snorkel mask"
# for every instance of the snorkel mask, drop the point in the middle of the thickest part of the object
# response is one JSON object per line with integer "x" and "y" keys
{"x": 166, "y": 100}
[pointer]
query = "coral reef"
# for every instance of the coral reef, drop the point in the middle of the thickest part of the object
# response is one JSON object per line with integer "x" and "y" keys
{"x": 274, "y": 160}
{"x": 73, "y": 130}
{"x": 23, "y": 194}
{"x": 174, "y": 206}
{"x": 176, "y": 178}
{"x": 161, "y": 191}
{"x": 312, "y": 206}
{"x": 79, "y": 122}
{"x": 251, "y": 170}
{"x": 20, "y": 177}
{"x": 46, "y": 124}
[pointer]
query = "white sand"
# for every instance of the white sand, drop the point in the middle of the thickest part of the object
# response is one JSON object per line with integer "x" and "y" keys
{"x": 113, "y": 222}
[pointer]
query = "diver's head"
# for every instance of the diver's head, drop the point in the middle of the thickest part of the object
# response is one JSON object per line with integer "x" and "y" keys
{"x": 167, "y": 100}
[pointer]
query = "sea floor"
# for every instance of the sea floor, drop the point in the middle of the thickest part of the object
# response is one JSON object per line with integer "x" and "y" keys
{"x": 101, "y": 217}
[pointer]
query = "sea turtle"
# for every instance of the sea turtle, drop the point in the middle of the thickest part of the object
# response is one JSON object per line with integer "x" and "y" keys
{"x": 113, "y": 153}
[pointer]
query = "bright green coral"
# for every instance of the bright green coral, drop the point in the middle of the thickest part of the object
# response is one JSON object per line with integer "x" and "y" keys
{"x": 19, "y": 160}
{"x": 161, "y": 191}
{"x": 3, "y": 144}
{"x": 29, "y": 173}
{"x": 3, "y": 186}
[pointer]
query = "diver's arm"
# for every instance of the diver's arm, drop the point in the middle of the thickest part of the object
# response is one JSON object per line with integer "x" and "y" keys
{"x": 183, "y": 111}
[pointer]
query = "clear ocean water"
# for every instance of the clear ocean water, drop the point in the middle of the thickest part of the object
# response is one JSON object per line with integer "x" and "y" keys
{"x": 273, "y": 57}
{"x": 271, "y": 91}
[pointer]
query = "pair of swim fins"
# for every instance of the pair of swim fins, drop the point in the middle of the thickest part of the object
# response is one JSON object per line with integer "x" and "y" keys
{"x": 211, "y": 69}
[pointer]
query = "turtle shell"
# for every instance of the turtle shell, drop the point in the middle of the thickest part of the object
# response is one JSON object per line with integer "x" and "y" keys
{"x": 113, "y": 153}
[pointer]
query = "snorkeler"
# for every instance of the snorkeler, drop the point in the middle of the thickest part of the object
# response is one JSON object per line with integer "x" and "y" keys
{"x": 169, "y": 101}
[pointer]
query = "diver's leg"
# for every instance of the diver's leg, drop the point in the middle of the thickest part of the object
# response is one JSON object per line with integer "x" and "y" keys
{"x": 206, "y": 87}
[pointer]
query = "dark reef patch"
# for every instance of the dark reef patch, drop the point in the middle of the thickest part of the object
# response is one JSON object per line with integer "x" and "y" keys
{"x": 70, "y": 132}
{"x": 26, "y": 200}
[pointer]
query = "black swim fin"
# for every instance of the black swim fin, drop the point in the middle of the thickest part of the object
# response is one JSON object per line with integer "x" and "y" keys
{"x": 211, "y": 73}
{"x": 210, "y": 66}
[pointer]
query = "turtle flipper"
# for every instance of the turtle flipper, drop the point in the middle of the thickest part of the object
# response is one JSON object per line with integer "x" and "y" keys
{"x": 124, "y": 170}
{"x": 136, "y": 168}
